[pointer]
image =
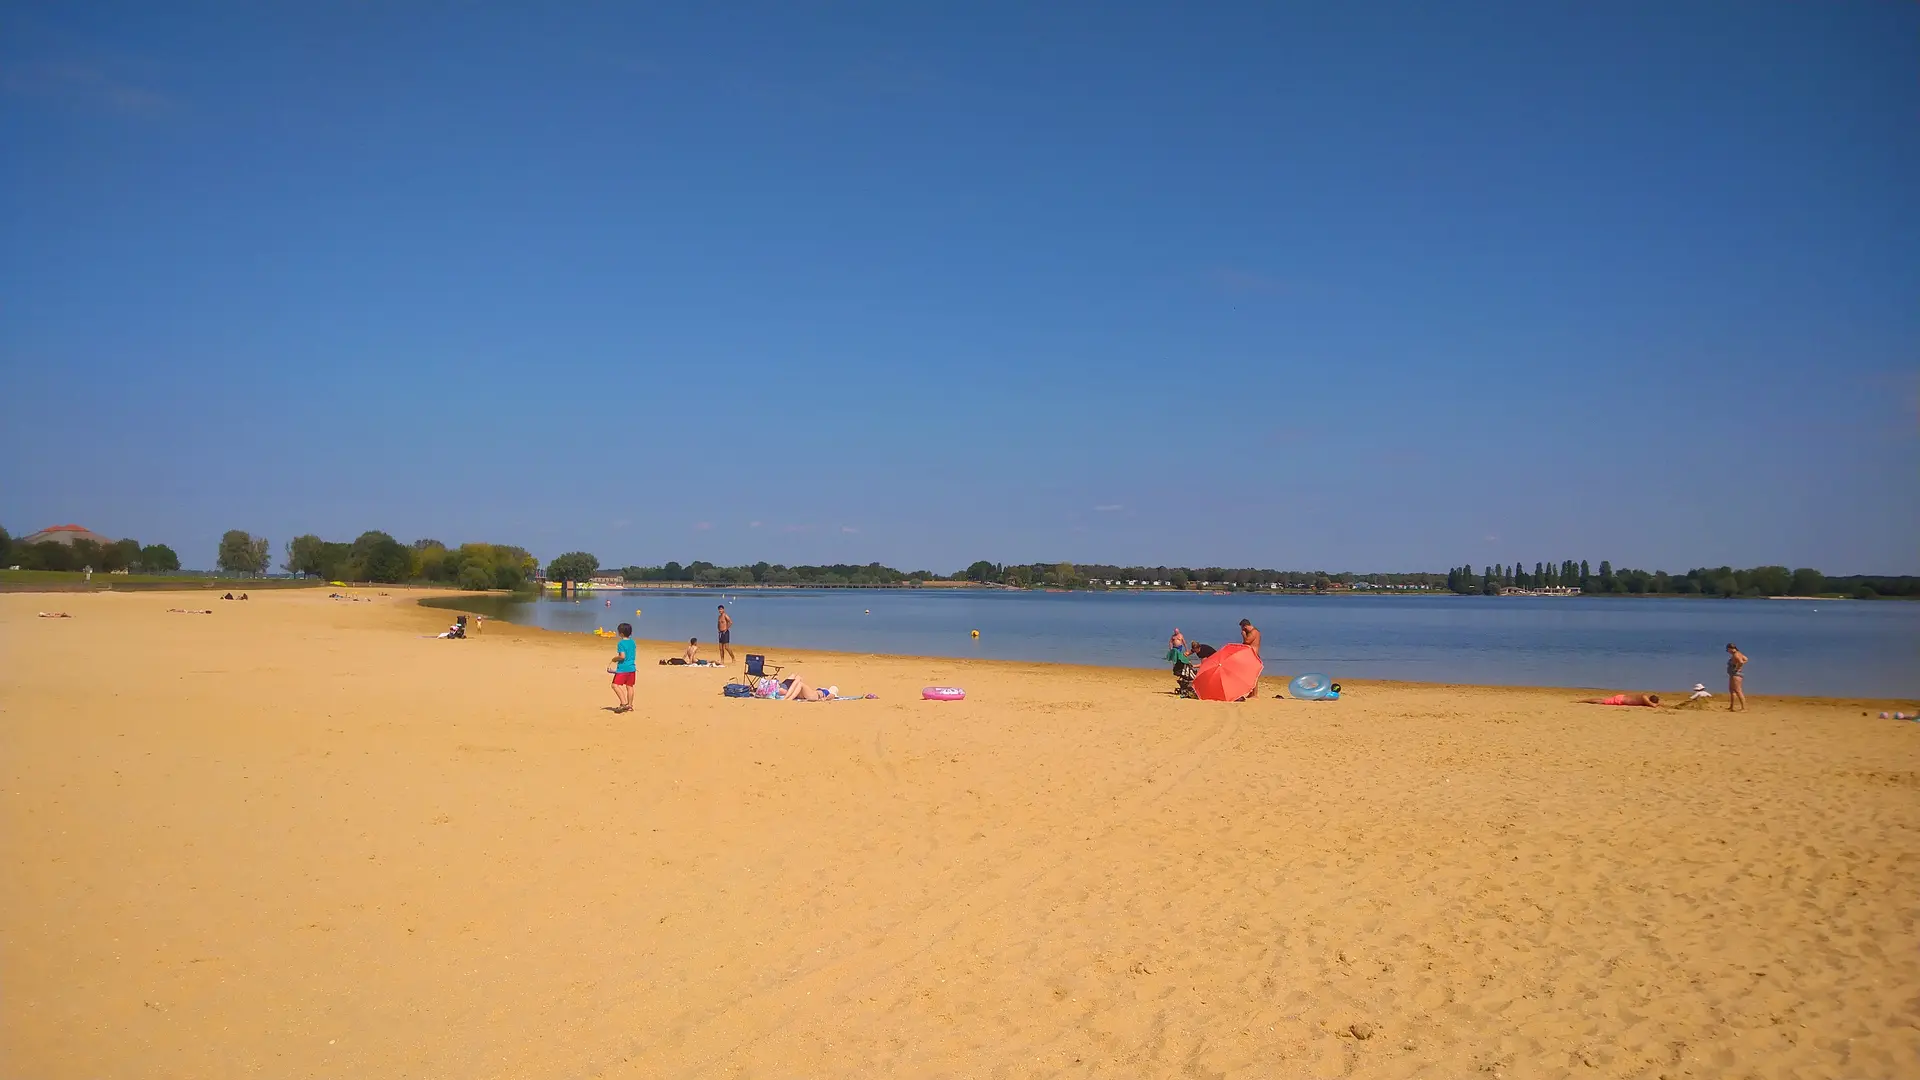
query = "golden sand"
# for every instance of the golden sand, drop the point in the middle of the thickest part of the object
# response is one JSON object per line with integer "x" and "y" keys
{"x": 294, "y": 838}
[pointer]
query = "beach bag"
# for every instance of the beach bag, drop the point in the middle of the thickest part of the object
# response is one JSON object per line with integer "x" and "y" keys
{"x": 734, "y": 689}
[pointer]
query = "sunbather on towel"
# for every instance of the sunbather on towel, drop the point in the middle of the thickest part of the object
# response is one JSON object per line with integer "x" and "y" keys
{"x": 1648, "y": 700}
{"x": 795, "y": 690}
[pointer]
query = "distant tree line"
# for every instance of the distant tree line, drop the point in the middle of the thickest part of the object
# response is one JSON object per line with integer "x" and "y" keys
{"x": 1702, "y": 581}
{"x": 764, "y": 573}
{"x": 1488, "y": 580}
{"x": 1104, "y": 576}
{"x": 377, "y": 556}
{"x": 128, "y": 555}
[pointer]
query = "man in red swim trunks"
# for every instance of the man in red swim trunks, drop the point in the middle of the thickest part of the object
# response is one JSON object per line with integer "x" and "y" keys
{"x": 1651, "y": 701}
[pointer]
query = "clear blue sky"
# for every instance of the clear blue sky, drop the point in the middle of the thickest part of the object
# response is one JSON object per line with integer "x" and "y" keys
{"x": 1369, "y": 286}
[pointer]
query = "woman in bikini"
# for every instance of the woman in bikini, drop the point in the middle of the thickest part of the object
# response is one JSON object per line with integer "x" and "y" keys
{"x": 1736, "y": 680}
{"x": 795, "y": 690}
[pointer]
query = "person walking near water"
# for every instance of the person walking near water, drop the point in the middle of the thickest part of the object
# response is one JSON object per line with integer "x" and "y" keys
{"x": 1736, "y": 679}
{"x": 725, "y": 623}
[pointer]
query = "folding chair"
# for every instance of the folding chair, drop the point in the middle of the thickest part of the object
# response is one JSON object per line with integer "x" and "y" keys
{"x": 758, "y": 668}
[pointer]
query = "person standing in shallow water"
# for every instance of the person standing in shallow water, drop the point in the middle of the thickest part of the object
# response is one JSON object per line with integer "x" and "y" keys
{"x": 725, "y": 623}
{"x": 1736, "y": 678}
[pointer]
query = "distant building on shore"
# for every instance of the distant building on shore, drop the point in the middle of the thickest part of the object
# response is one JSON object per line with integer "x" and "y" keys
{"x": 63, "y": 534}
{"x": 1551, "y": 590}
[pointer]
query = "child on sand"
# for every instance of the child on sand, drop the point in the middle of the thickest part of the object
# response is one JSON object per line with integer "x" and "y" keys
{"x": 623, "y": 669}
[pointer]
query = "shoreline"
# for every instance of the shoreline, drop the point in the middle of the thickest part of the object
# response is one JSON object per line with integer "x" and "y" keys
{"x": 803, "y": 653}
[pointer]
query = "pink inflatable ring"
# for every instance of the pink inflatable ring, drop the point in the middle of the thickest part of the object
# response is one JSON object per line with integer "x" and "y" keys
{"x": 943, "y": 693}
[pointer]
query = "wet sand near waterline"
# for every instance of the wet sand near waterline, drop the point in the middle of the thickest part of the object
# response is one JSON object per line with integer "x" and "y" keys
{"x": 295, "y": 838}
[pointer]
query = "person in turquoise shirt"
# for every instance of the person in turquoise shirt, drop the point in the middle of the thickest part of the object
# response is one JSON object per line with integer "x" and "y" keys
{"x": 623, "y": 669}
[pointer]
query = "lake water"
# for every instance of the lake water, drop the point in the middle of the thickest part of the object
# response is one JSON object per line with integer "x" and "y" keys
{"x": 1838, "y": 648}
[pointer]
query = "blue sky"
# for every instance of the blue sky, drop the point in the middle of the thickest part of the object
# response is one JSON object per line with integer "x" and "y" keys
{"x": 1382, "y": 286}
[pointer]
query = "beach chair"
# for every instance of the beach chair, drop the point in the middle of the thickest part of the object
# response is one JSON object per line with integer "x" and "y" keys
{"x": 758, "y": 668}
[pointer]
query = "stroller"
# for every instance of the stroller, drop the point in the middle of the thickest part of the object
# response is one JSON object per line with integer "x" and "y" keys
{"x": 1185, "y": 667}
{"x": 458, "y": 629}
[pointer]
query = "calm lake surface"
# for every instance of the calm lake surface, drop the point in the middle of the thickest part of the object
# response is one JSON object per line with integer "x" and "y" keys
{"x": 1838, "y": 648}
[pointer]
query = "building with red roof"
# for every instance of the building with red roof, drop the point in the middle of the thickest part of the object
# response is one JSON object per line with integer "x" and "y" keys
{"x": 64, "y": 534}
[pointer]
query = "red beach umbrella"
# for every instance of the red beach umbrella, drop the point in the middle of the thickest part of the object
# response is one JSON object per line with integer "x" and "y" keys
{"x": 1230, "y": 674}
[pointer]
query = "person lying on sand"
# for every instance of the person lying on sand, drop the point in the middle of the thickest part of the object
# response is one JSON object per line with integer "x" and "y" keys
{"x": 1651, "y": 701}
{"x": 795, "y": 690}
{"x": 55, "y": 615}
{"x": 190, "y": 611}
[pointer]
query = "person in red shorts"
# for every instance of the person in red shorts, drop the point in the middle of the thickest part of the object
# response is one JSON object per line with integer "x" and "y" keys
{"x": 623, "y": 668}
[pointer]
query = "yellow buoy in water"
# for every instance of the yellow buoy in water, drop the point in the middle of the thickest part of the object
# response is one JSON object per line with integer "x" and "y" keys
{"x": 636, "y": 611}
{"x": 976, "y": 633}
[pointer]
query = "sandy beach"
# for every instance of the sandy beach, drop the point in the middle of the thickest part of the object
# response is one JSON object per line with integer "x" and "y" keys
{"x": 296, "y": 838}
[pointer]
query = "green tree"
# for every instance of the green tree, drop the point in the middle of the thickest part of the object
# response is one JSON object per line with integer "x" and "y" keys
{"x": 577, "y": 566}
{"x": 158, "y": 559}
{"x": 6, "y": 548}
{"x": 306, "y": 555}
{"x": 980, "y": 571}
{"x": 1808, "y": 582}
{"x": 475, "y": 577}
{"x": 120, "y": 555}
{"x": 84, "y": 554}
{"x": 241, "y": 553}
{"x": 45, "y": 555}
{"x": 376, "y": 556}
{"x": 431, "y": 562}
{"x": 1177, "y": 578}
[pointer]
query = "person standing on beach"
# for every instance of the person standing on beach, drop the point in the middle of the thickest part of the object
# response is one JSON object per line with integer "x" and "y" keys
{"x": 1250, "y": 636}
{"x": 623, "y": 670}
{"x": 726, "y": 635}
{"x": 1736, "y": 679}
